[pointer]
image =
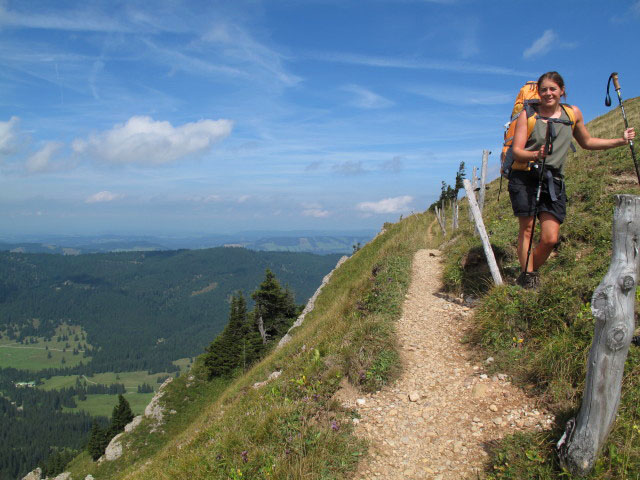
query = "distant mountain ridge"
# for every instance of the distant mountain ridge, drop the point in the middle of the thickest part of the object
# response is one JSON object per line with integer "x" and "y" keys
{"x": 320, "y": 242}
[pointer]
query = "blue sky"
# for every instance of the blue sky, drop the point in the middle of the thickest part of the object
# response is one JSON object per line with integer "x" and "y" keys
{"x": 188, "y": 116}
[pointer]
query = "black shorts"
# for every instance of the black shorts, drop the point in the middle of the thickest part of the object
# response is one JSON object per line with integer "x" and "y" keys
{"x": 522, "y": 191}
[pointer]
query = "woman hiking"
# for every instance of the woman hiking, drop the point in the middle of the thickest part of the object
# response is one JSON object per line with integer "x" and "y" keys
{"x": 523, "y": 185}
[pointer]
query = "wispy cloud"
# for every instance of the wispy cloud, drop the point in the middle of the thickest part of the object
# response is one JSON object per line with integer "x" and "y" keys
{"x": 460, "y": 96}
{"x": 350, "y": 167}
{"x": 86, "y": 20}
{"x": 8, "y": 132}
{"x": 365, "y": 98}
{"x": 394, "y": 165}
{"x": 541, "y": 45}
{"x": 313, "y": 166}
{"x": 415, "y": 64}
{"x": 41, "y": 160}
{"x": 387, "y": 205}
{"x": 104, "y": 196}
{"x": 314, "y": 210}
{"x": 236, "y": 44}
{"x": 143, "y": 141}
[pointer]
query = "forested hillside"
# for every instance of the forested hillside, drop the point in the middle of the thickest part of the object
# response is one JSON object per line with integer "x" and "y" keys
{"x": 134, "y": 314}
{"x": 141, "y": 311}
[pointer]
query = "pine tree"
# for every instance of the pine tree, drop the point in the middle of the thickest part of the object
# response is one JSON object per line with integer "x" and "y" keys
{"x": 97, "y": 442}
{"x": 275, "y": 305}
{"x": 226, "y": 353}
{"x": 121, "y": 415}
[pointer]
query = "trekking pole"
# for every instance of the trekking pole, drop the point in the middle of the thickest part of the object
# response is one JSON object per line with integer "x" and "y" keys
{"x": 607, "y": 102}
{"x": 548, "y": 146}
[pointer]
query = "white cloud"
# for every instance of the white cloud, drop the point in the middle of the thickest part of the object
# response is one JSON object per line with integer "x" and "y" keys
{"x": 387, "y": 205}
{"x": 8, "y": 135}
{"x": 415, "y": 64}
{"x": 41, "y": 160}
{"x": 238, "y": 45}
{"x": 541, "y": 45}
{"x": 365, "y": 98}
{"x": 104, "y": 196}
{"x": 143, "y": 141}
{"x": 315, "y": 212}
{"x": 461, "y": 96}
{"x": 243, "y": 198}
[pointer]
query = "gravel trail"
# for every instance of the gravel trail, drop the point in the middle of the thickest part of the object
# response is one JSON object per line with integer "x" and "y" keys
{"x": 436, "y": 421}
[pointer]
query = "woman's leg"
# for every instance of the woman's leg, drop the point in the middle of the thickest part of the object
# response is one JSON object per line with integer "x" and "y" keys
{"x": 523, "y": 242}
{"x": 550, "y": 227}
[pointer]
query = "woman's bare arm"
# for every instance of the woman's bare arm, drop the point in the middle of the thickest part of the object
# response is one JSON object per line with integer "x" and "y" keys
{"x": 586, "y": 141}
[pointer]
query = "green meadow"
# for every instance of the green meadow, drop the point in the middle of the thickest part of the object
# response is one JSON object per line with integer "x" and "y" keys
{"x": 38, "y": 353}
{"x": 102, "y": 405}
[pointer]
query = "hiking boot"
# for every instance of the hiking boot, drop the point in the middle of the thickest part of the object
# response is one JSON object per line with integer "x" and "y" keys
{"x": 529, "y": 280}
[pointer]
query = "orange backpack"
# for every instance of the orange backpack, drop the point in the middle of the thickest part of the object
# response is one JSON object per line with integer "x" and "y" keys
{"x": 527, "y": 101}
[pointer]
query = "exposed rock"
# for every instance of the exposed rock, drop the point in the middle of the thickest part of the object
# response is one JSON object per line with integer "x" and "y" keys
{"x": 114, "y": 449}
{"x": 63, "y": 476}
{"x": 131, "y": 426}
{"x": 414, "y": 396}
{"x": 89, "y": 477}
{"x": 33, "y": 475}
{"x": 154, "y": 410}
{"x": 310, "y": 304}
{"x": 272, "y": 376}
{"x": 479, "y": 390}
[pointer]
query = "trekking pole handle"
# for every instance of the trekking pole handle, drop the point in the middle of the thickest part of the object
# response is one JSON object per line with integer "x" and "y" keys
{"x": 616, "y": 83}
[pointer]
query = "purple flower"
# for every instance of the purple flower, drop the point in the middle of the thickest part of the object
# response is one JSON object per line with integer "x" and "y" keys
{"x": 334, "y": 426}
{"x": 245, "y": 456}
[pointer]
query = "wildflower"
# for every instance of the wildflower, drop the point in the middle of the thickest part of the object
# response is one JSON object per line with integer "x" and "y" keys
{"x": 245, "y": 456}
{"x": 334, "y": 426}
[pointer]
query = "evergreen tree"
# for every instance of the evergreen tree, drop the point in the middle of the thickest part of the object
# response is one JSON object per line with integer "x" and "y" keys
{"x": 275, "y": 305}
{"x": 226, "y": 352}
{"x": 121, "y": 415}
{"x": 97, "y": 442}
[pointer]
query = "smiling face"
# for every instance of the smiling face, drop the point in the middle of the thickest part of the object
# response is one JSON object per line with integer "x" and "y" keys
{"x": 550, "y": 93}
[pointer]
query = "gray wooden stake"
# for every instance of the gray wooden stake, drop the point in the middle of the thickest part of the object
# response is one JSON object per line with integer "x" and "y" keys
{"x": 483, "y": 178}
{"x": 612, "y": 305}
{"x": 477, "y": 216}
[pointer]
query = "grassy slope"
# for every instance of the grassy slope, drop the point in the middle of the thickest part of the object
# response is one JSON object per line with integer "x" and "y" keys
{"x": 542, "y": 339}
{"x": 290, "y": 428}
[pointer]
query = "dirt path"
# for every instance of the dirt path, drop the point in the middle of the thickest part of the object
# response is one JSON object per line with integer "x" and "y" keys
{"x": 436, "y": 420}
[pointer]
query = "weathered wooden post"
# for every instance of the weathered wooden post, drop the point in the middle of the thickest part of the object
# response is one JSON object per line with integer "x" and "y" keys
{"x": 474, "y": 184}
{"x": 486, "y": 245}
{"x": 454, "y": 215}
{"x": 613, "y": 305}
{"x": 483, "y": 178}
{"x": 439, "y": 216}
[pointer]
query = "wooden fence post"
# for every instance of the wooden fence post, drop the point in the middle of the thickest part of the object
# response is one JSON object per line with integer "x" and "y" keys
{"x": 613, "y": 305}
{"x": 477, "y": 216}
{"x": 483, "y": 178}
{"x": 439, "y": 217}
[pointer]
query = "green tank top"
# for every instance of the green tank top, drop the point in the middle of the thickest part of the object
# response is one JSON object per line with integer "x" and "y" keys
{"x": 561, "y": 143}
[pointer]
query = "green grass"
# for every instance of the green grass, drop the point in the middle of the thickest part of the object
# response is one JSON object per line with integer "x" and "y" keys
{"x": 33, "y": 354}
{"x": 130, "y": 380}
{"x": 102, "y": 404}
{"x": 542, "y": 339}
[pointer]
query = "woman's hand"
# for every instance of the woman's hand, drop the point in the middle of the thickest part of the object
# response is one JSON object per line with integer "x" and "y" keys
{"x": 628, "y": 135}
{"x": 540, "y": 154}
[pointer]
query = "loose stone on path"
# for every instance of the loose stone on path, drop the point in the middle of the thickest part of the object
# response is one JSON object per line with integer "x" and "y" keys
{"x": 433, "y": 422}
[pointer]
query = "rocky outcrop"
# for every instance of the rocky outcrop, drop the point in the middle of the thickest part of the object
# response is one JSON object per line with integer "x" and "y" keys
{"x": 154, "y": 410}
{"x": 114, "y": 449}
{"x": 63, "y": 476}
{"x": 33, "y": 475}
{"x": 131, "y": 426}
{"x": 310, "y": 304}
